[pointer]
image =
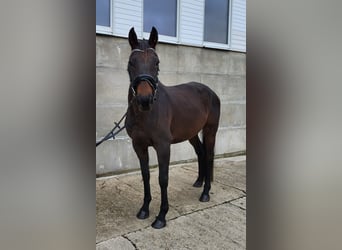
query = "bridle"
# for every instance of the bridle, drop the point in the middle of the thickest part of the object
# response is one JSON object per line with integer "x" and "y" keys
{"x": 152, "y": 81}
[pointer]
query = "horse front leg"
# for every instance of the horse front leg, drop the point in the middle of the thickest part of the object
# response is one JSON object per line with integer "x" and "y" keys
{"x": 163, "y": 154}
{"x": 142, "y": 153}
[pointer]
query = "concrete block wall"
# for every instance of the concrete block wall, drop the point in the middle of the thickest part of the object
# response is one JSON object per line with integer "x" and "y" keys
{"x": 223, "y": 71}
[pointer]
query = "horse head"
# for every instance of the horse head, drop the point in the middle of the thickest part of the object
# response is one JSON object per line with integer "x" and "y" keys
{"x": 143, "y": 67}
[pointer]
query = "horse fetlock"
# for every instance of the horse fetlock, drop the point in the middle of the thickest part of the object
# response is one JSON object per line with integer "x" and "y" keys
{"x": 143, "y": 214}
{"x": 147, "y": 200}
{"x": 198, "y": 183}
{"x": 164, "y": 209}
{"x": 204, "y": 197}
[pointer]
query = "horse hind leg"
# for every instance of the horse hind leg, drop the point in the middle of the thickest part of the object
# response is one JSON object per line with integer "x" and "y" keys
{"x": 199, "y": 149}
{"x": 209, "y": 137}
{"x": 209, "y": 143}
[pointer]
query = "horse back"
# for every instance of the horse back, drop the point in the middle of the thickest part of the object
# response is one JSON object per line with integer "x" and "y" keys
{"x": 193, "y": 95}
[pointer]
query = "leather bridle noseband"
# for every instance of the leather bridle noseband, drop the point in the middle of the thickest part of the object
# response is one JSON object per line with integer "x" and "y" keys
{"x": 152, "y": 81}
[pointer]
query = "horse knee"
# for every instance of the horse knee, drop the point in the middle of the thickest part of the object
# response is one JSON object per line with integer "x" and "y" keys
{"x": 163, "y": 181}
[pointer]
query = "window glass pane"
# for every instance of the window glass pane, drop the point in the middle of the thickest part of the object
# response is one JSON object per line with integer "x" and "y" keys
{"x": 162, "y": 15}
{"x": 216, "y": 21}
{"x": 103, "y": 12}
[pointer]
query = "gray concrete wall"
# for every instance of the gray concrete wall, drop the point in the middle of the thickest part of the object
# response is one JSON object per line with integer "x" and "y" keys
{"x": 223, "y": 71}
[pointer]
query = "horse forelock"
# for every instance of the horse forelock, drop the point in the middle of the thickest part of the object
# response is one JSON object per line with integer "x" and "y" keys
{"x": 143, "y": 45}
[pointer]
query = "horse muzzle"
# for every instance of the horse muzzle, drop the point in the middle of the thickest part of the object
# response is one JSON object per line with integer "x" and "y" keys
{"x": 153, "y": 82}
{"x": 144, "y": 89}
{"x": 144, "y": 102}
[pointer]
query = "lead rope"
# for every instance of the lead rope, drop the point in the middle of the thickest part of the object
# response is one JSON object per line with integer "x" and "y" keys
{"x": 113, "y": 133}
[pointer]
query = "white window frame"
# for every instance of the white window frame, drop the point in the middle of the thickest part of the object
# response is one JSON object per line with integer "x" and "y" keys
{"x": 105, "y": 29}
{"x": 225, "y": 46}
{"x": 164, "y": 38}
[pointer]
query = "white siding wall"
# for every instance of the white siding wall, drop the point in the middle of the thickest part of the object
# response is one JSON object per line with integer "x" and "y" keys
{"x": 191, "y": 22}
{"x": 127, "y": 14}
{"x": 238, "y": 25}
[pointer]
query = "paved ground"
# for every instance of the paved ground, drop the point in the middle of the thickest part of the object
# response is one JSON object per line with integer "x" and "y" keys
{"x": 217, "y": 224}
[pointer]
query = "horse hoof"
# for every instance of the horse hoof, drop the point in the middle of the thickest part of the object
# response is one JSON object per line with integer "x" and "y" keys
{"x": 204, "y": 198}
{"x": 143, "y": 214}
{"x": 197, "y": 184}
{"x": 158, "y": 224}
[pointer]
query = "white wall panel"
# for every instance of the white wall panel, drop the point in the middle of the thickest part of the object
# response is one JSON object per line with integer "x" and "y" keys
{"x": 191, "y": 22}
{"x": 238, "y": 26}
{"x": 127, "y": 14}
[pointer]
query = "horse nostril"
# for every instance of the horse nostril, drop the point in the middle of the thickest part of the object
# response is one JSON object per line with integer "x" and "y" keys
{"x": 144, "y": 101}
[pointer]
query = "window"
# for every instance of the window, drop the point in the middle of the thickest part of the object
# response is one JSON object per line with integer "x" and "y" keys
{"x": 103, "y": 12}
{"x": 216, "y": 16}
{"x": 103, "y": 15}
{"x": 162, "y": 15}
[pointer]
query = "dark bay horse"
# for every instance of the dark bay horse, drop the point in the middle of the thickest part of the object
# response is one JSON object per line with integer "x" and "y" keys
{"x": 159, "y": 116}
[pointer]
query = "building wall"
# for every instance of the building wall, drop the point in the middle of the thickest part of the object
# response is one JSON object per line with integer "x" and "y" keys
{"x": 223, "y": 71}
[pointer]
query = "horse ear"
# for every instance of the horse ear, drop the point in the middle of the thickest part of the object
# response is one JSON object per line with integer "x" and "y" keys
{"x": 132, "y": 38}
{"x": 152, "y": 41}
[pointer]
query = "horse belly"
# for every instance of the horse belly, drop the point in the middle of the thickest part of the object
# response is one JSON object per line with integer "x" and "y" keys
{"x": 186, "y": 129}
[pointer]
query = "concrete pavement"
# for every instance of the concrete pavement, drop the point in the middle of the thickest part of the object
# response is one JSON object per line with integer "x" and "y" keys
{"x": 217, "y": 224}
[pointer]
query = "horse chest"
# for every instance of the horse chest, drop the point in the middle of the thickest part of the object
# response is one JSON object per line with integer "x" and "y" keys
{"x": 141, "y": 130}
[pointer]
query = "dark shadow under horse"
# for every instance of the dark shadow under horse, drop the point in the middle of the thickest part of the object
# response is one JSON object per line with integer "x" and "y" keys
{"x": 160, "y": 115}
